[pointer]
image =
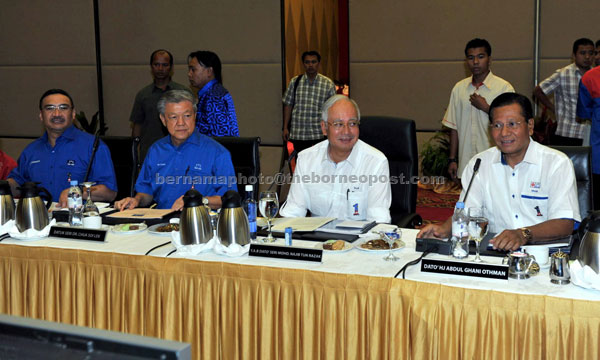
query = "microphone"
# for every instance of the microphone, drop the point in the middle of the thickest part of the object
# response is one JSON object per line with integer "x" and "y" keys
{"x": 94, "y": 149}
{"x": 279, "y": 174}
{"x": 475, "y": 171}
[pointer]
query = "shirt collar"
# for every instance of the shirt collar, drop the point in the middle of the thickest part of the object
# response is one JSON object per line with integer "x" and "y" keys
{"x": 207, "y": 87}
{"x": 195, "y": 138}
{"x": 70, "y": 133}
{"x": 156, "y": 88}
{"x": 486, "y": 81}
{"x": 528, "y": 158}
{"x": 352, "y": 159}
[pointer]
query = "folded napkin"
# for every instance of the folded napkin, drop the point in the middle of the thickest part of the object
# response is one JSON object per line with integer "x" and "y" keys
{"x": 233, "y": 250}
{"x": 194, "y": 249}
{"x": 584, "y": 276}
{"x": 30, "y": 234}
{"x": 6, "y": 227}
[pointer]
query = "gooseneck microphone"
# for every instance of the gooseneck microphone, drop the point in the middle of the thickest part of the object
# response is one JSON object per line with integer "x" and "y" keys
{"x": 475, "y": 171}
{"x": 94, "y": 149}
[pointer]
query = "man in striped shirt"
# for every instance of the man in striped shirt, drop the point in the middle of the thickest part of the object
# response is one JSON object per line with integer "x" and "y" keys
{"x": 302, "y": 104}
{"x": 564, "y": 83}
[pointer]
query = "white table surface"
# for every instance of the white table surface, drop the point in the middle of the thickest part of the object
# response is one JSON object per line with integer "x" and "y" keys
{"x": 354, "y": 261}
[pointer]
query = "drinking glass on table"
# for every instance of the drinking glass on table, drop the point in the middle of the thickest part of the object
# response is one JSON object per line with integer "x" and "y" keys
{"x": 391, "y": 238}
{"x": 269, "y": 206}
{"x": 477, "y": 227}
{"x": 89, "y": 209}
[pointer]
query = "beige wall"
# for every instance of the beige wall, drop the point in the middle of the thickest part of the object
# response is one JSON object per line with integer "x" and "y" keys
{"x": 405, "y": 56}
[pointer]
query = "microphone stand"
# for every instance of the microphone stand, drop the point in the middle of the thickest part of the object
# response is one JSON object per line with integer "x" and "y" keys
{"x": 475, "y": 171}
{"x": 94, "y": 149}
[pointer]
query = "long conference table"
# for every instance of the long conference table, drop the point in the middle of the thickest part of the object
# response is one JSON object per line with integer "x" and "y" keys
{"x": 347, "y": 307}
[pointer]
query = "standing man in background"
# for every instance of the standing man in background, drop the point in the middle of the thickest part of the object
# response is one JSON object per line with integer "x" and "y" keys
{"x": 564, "y": 83}
{"x": 597, "y": 53}
{"x": 216, "y": 113}
{"x": 144, "y": 116}
{"x": 467, "y": 113}
{"x": 302, "y": 103}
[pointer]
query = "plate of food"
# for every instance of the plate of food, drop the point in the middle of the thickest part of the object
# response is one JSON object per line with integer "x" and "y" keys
{"x": 129, "y": 228}
{"x": 379, "y": 245}
{"x": 338, "y": 246}
{"x": 163, "y": 229}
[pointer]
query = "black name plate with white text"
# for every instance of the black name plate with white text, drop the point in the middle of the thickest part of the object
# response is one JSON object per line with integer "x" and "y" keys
{"x": 78, "y": 233}
{"x": 286, "y": 252}
{"x": 489, "y": 271}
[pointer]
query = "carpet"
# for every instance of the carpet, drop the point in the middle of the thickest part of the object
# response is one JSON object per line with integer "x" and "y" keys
{"x": 433, "y": 207}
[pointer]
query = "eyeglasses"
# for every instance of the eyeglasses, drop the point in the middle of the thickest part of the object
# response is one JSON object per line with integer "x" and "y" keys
{"x": 61, "y": 108}
{"x": 339, "y": 125}
{"x": 509, "y": 125}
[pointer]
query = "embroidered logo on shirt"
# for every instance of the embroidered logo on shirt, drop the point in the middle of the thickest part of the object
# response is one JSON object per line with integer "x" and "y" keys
{"x": 539, "y": 213}
{"x": 35, "y": 162}
{"x": 198, "y": 167}
{"x": 161, "y": 164}
{"x": 355, "y": 206}
{"x": 70, "y": 162}
{"x": 535, "y": 185}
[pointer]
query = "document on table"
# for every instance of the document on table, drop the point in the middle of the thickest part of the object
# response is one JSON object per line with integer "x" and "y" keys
{"x": 141, "y": 213}
{"x": 300, "y": 223}
{"x": 352, "y": 227}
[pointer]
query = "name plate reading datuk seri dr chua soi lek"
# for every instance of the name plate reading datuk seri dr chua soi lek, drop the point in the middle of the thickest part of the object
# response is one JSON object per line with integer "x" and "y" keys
{"x": 490, "y": 271}
{"x": 78, "y": 233}
{"x": 286, "y": 252}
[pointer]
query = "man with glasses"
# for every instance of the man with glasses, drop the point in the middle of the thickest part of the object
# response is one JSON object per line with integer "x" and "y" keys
{"x": 467, "y": 112}
{"x": 528, "y": 190}
{"x": 63, "y": 153}
{"x": 341, "y": 177}
{"x": 564, "y": 83}
{"x": 302, "y": 103}
{"x": 183, "y": 159}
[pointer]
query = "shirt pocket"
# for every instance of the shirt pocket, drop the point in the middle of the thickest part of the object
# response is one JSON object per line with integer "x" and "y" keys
{"x": 535, "y": 205}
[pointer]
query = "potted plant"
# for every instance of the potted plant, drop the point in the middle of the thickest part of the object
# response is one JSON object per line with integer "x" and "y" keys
{"x": 434, "y": 157}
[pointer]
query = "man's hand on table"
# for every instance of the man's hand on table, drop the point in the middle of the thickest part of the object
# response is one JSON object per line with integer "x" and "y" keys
{"x": 63, "y": 200}
{"x": 126, "y": 203}
{"x": 434, "y": 231}
{"x": 509, "y": 240}
{"x": 178, "y": 204}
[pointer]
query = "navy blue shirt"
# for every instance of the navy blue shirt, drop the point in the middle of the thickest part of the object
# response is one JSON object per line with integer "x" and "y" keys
{"x": 169, "y": 171}
{"x": 216, "y": 113}
{"x": 71, "y": 154}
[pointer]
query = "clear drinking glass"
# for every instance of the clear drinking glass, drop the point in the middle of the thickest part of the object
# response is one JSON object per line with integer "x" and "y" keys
{"x": 89, "y": 209}
{"x": 269, "y": 206}
{"x": 478, "y": 228}
{"x": 391, "y": 238}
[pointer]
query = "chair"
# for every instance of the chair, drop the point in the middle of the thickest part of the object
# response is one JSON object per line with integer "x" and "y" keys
{"x": 581, "y": 158}
{"x": 397, "y": 139}
{"x": 245, "y": 159}
{"x": 125, "y": 166}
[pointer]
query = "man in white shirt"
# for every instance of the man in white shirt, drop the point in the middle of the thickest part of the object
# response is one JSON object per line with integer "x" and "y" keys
{"x": 341, "y": 177}
{"x": 528, "y": 190}
{"x": 467, "y": 112}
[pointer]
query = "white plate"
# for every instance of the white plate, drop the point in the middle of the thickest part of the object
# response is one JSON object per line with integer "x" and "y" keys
{"x": 25, "y": 238}
{"x": 347, "y": 246}
{"x": 152, "y": 230}
{"x": 119, "y": 228}
{"x": 399, "y": 242}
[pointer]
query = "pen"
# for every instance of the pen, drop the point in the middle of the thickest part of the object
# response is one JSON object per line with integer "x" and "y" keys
{"x": 347, "y": 192}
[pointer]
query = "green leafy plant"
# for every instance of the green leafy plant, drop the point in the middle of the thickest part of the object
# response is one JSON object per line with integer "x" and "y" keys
{"x": 90, "y": 126}
{"x": 434, "y": 155}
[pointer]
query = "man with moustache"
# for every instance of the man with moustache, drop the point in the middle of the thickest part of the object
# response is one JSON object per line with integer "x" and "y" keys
{"x": 144, "y": 116}
{"x": 182, "y": 159}
{"x": 467, "y": 112}
{"x": 564, "y": 83}
{"x": 329, "y": 178}
{"x": 528, "y": 190}
{"x": 63, "y": 153}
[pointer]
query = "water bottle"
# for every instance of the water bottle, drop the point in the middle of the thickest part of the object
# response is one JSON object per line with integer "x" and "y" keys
{"x": 460, "y": 232}
{"x": 250, "y": 208}
{"x": 75, "y": 203}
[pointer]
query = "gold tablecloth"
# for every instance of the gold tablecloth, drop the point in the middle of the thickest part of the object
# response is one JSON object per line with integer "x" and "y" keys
{"x": 230, "y": 311}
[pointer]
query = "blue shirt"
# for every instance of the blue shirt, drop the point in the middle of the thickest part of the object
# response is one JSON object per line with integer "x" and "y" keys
{"x": 71, "y": 154}
{"x": 216, "y": 113}
{"x": 588, "y": 107}
{"x": 169, "y": 171}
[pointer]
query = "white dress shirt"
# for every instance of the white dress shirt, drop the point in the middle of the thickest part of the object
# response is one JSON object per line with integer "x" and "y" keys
{"x": 471, "y": 123}
{"x": 357, "y": 188}
{"x": 541, "y": 187}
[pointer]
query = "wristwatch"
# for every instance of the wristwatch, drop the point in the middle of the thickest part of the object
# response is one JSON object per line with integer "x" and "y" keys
{"x": 526, "y": 234}
{"x": 451, "y": 160}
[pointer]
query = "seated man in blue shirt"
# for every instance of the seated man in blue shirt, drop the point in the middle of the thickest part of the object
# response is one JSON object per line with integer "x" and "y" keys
{"x": 182, "y": 159}
{"x": 64, "y": 152}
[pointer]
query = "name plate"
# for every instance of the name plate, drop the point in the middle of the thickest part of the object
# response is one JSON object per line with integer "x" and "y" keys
{"x": 286, "y": 252}
{"x": 77, "y": 233}
{"x": 490, "y": 271}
